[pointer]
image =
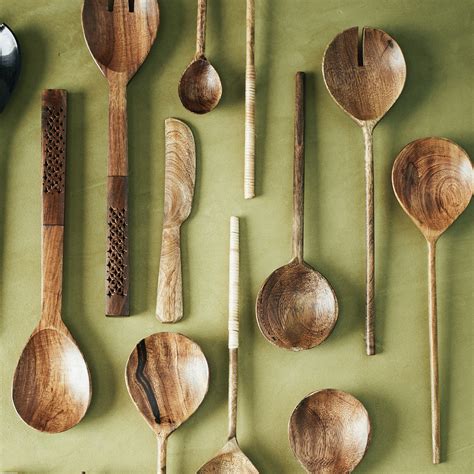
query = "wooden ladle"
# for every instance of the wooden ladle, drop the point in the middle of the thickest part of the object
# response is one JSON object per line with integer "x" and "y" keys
{"x": 365, "y": 79}
{"x": 329, "y": 432}
{"x": 167, "y": 377}
{"x": 296, "y": 306}
{"x": 432, "y": 179}
{"x": 51, "y": 385}
{"x": 230, "y": 459}
{"x": 119, "y": 35}
{"x": 200, "y": 87}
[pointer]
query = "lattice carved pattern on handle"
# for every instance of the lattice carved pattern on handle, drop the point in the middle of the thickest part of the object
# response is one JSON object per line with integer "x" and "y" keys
{"x": 116, "y": 252}
{"x": 55, "y": 160}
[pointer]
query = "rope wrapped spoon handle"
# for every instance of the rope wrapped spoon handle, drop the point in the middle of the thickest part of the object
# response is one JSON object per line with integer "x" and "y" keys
{"x": 234, "y": 284}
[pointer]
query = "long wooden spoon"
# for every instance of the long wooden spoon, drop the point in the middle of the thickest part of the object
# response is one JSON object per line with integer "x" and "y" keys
{"x": 329, "y": 432}
{"x": 231, "y": 459}
{"x": 200, "y": 87}
{"x": 119, "y": 39}
{"x": 10, "y": 64}
{"x": 432, "y": 179}
{"x": 296, "y": 306}
{"x": 365, "y": 80}
{"x": 51, "y": 386}
{"x": 167, "y": 377}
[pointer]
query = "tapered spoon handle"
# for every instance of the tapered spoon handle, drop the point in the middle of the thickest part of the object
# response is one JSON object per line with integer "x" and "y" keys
{"x": 201, "y": 28}
{"x": 161, "y": 459}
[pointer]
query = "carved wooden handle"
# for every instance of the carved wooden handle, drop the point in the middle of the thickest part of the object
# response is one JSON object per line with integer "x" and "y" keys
{"x": 249, "y": 172}
{"x": 201, "y": 28}
{"x": 169, "y": 304}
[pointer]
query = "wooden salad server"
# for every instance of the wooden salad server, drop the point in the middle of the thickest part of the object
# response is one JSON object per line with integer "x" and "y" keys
{"x": 167, "y": 378}
{"x": 329, "y": 432}
{"x": 433, "y": 181}
{"x": 249, "y": 171}
{"x": 296, "y": 306}
{"x": 365, "y": 79}
{"x": 230, "y": 459}
{"x": 180, "y": 177}
{"x": 51, "y": 385}
{"x": 10, "y": 64}
{"x": 119, "y": 35}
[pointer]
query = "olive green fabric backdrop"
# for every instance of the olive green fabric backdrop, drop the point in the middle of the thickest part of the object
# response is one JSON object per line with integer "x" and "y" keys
{"x": 436, "y": 38}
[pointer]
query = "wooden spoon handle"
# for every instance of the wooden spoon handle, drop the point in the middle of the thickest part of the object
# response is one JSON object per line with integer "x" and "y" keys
{"x": 433, "y": 332}
{"x": 249, "y": 172}
{"x": 161, "y": 458}
{"x": 201, "y": 29}
{"x": 298, "y": 169}
{"x": 233, "y": 324}
{"x": 53, "y": 145}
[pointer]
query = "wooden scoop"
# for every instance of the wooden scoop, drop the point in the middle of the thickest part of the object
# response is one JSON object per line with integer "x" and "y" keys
{"x": 167, "y": 377}
{"x": 329, "y": 432}
{"x": 51, "y": 386}
{"x": 365, "y": 79}
{"x": 296, "y": 306}
{"x": 230, "y": 459}
{"x": 200, "y": 87}
{"x": 119, "y": 35}
{"x": 432, "y": 179}
{"x": 180, "y": 176}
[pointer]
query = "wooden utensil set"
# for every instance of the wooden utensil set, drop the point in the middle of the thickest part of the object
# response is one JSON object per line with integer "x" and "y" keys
{"x": 167, "y": 374}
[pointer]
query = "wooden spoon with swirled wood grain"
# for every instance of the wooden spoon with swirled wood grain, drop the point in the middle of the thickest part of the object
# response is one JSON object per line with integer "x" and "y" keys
{"x": 432, "y": 179}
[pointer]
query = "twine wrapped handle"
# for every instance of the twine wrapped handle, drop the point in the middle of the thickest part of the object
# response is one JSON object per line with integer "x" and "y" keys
{"x": 234, "y": 284}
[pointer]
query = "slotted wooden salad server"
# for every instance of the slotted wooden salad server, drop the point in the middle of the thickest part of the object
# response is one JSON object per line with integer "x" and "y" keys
{"x": 365, "y": 79}
{"x": 433, "y": 181}
{"x": 230, "y": 459}
{"x": 51, "y": 385}
{"x": 119, "y": 35}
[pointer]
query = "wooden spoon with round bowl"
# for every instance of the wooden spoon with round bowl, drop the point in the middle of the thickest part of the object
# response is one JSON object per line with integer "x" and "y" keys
{"x": 329, "y": 432}
{"x": 167, "y": 378}
{"x": 200, "y": 87}
{"x": 433, "y": 181}
{"x": 365, "y": 80}
{"x": 296, "y": 306}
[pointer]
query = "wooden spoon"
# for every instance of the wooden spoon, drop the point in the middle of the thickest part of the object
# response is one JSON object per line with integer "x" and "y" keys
{"x": 119, "y": 39}
{"x": 329, "y": 432}
{"x": 51, "y": 385}
{"x": 432, "y": 179}
{"x": 10, "y": 64}
{"x": 365, "y": 80}
{"x": 200, "y": 87}
{"x": 167, "y": 377}
{"x": 296, "y": 306}
{"x": 231, "y": 459}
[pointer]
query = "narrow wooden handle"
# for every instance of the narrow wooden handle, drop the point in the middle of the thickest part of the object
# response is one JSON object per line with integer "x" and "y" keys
{"x": 118, "y": 129}
{"x": 161, "y": 457}
{"x": 370, "y": 244}
{"x": 433, "y": 332}
{"x": 298, "y": 169}
{"x": 201, "y": 29}
{"x": 234, "y": 284}
{"x": 169, "y": 304}
{"x": 249, "y": 172}
{"x": 117, "y": 268}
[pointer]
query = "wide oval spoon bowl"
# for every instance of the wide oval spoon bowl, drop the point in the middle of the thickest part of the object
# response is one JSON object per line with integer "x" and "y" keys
{"x": 51, "y": 386}
{"x": 329, "y": 432}
{"x": 10, "y": 64}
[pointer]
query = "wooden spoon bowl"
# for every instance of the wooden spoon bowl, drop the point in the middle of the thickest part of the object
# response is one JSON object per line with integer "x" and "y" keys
{"x": 329, "y": 432}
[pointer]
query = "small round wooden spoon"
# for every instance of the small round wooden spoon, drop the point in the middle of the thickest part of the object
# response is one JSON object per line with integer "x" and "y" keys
{"x": 365, "y": 80}
{"x": 200, "y": 88}
{"x": 10, "y": 64}
{"x": 296, "y": 306}
{"x": 432, "y": 179}
{"x": 329, "y": 432}
{"x": 230, "y": 459}
{"x": 167, "y": 377}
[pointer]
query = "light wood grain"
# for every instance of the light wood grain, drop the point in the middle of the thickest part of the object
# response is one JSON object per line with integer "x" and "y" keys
{"x": 365, "y": 77}
{"x": 119, "y": 40}
{"x": 180, "y": 177}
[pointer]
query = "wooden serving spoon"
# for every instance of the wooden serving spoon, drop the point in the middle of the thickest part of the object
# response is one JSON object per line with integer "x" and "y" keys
{"x": 296, "y": 306}
{"x": 167, "y": 377}
{"x": 432, "y": 179}
{"x": 51, "y": 385}
{"x": 329, "y": 432}
{"x": 10, "y": 64}
{"x": 231, "y": 459}
{"x": 200, "y": 87}
{"x": 365, "y": 80}
{"x": 119, "y": 35}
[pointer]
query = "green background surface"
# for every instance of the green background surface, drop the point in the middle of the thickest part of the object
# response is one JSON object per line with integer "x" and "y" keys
{"x": 436, "y": 38}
